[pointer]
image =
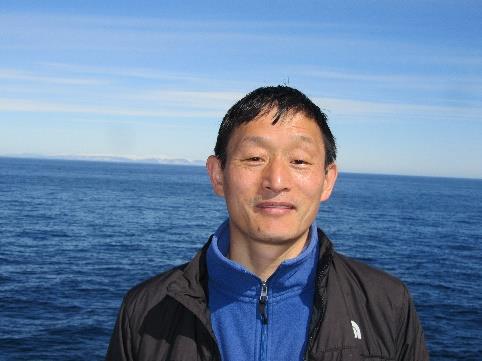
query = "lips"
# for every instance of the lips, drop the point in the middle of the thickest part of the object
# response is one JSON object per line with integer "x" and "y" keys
{"x": 275, "y": 207}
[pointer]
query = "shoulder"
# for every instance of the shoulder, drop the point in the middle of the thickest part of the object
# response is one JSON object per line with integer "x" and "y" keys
{"x": 145, "y": 295}
{"x": 370, "y": 310}
{"x": 364, "y": 275}
{"x": 359, "y": 275}
{"x": 155, "y": 286}
{"x": 185, "y": 278}
{"x": 367, "y": 288}
{"x": 381, "y": 309}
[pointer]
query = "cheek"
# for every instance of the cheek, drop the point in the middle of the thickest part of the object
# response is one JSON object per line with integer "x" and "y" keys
{"x": 239, "y": 188}
{"x": 242, "y": 180}
{"x": 311, "y": 184}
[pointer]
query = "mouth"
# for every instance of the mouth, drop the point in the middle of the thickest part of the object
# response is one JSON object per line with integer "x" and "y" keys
{"x": 275, "y": 208}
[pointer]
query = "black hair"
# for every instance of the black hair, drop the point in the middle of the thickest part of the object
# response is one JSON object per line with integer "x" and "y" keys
{"x": 261, "y": 101}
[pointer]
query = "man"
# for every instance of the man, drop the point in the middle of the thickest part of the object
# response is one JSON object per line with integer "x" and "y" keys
{"x": 268, "y": 285}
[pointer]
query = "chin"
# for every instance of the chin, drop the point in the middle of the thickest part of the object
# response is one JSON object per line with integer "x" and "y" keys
{"x": 277, "y": 237}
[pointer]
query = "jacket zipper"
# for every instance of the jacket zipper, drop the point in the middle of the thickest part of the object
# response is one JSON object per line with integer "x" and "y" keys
{"x": 263, "y": 305}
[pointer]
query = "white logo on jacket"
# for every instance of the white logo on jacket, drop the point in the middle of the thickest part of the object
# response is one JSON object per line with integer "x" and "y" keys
{"x": 356, "y": 330}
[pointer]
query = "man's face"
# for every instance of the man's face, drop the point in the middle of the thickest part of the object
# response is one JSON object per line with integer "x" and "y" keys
{"x": 274, "y": 178}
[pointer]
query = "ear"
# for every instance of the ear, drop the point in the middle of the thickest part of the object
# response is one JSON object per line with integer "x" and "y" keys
{"x": 331, "y": 173}
{"x": 216, "y": 175}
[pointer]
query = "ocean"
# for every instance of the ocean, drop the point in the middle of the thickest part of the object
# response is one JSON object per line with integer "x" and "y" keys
{"x": 76, "y": 235}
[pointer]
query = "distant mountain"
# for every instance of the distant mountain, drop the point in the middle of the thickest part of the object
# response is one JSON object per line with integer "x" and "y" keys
{"x": 109, "y": 158}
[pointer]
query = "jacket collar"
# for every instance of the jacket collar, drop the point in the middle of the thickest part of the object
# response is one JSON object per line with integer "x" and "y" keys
{"x": 190, "y": 288}
{"x": 292, "y": 277}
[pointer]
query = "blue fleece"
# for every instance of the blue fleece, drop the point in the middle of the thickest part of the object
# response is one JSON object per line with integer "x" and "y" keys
{"x": 234, "y": 303}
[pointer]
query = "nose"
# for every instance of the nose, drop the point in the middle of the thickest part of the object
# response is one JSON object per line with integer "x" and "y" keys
{"x": 276, "y": 176}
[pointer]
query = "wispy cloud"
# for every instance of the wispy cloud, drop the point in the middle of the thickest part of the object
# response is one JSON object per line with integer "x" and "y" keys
{"x": 127, "y": 72}
{"x": 383, "y": 78}
{"x": 366, "y": 110}
{"x": 83, "y": 32}
{"x": 179, "y": 104}
{"x": 247, "y": 27}
{"x": 216, "y": 100}
{"x": 13, "y": 74}
{"x": 401, "y": 81}
{"x": 31, "y": 106}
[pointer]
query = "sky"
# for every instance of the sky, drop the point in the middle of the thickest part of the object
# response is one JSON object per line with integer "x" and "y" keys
{"x": 400, "y": 81}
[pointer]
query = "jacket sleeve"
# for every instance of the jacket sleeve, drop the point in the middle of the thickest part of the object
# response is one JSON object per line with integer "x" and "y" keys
{"x": 120, "y": 347}
{"x": 410, "y": 341}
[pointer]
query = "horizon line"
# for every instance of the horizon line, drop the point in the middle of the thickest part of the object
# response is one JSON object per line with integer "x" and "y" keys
{"x": 194, "y": 163}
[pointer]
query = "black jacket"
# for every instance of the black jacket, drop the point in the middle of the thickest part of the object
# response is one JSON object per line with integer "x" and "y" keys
{"x": 359, "y": 313}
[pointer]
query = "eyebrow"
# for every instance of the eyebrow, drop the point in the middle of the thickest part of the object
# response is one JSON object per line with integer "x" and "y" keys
{"x": 259, "y": 140}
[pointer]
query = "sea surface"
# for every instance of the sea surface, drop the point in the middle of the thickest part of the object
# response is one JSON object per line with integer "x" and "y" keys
{"x": 76, "y": 235}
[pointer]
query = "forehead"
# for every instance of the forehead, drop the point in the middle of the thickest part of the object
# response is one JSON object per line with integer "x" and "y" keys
{"x": 293, "y": 128}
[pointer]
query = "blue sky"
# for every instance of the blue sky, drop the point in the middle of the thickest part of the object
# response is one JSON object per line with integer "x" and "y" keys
{"x": 401, "y": 82}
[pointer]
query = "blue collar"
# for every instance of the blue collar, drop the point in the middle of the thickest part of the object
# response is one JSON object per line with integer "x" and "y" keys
{"x": 292, "y": 277}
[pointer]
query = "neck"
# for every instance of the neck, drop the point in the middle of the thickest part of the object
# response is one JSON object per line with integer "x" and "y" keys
{"x": 263, "y": 258}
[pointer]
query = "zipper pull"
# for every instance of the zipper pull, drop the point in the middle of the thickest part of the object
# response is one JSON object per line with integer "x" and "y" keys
{"x": 263, "y": 300}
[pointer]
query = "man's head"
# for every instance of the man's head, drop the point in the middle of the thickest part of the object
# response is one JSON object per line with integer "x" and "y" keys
{"x": 274, "y": 164}
{"x": 283, "y": 100}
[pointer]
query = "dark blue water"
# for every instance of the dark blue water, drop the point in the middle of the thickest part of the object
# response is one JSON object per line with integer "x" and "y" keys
{"x": 74, "y": 236}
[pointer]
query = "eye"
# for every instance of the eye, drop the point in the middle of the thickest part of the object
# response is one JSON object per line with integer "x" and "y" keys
{"x": 300, "y": 162}
{"x": 253, "y": 159}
